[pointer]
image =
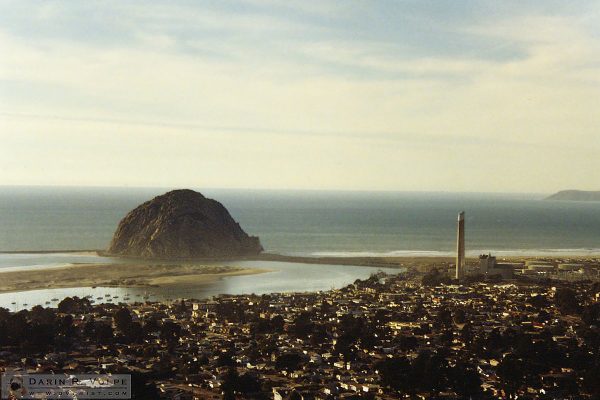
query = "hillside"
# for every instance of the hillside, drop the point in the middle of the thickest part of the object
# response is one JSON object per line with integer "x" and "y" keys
{"x": 575, "y": 195}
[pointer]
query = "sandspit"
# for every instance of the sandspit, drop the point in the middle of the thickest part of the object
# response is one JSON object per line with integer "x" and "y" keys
{"x": 112, "y": 275}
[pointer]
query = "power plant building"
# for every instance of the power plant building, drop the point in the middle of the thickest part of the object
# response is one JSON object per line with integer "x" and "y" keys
{"x": 489, "y": 266}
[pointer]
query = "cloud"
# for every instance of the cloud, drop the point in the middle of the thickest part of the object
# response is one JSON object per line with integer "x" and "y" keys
{"x": 306, "y": 100}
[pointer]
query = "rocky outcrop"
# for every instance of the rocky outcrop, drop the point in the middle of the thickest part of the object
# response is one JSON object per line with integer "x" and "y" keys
{"x": 181, "y": 224}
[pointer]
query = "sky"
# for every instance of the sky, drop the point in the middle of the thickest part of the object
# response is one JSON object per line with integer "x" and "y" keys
{"x": 477, "y": 96}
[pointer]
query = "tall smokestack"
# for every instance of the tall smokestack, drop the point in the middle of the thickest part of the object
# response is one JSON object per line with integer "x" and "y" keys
{"x": 460, "y": 247}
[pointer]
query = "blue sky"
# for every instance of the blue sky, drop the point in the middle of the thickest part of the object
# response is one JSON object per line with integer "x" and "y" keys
{"x": 387, "y": 95}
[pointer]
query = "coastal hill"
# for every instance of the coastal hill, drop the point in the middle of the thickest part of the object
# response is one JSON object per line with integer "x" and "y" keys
{"x": 575, "y": 195}
{"x": 181, "y": 224}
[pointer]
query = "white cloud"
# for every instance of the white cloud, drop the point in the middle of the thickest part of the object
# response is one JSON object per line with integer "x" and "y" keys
{"x": 399, "y": 122}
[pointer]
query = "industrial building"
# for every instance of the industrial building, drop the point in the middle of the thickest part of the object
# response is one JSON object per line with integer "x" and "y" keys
{"x": 460, "y": 247}
{"x": 488, "y": 265}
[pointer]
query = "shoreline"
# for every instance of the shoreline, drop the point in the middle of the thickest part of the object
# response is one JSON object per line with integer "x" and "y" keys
{"x": 407, "y": 261}
{"x": 358, "y": 260}
{"x": 118, "y": 275}
{"x": 84, "y": 251}
{"x": 163, "y": 273}
{"x": 384, "y": 261}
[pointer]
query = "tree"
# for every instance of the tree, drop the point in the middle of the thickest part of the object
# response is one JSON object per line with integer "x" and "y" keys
{"x": 429, "y": 371}
{"x": 319, "y": 335}
{"x": 151, "y": 325}
{"x": 538, "y": 301}
{"x": 244, "y": 384}
{"x": 142, "y": 388}
{"x": 466, "y": 333}
{"x": 42, "y": 315}
{"x": 294, "y": 395}
{"x": 465, "y": 381}
{"x": 303, "y": 325}
{"x": 494, "y": 342}
{"x": 277, "y": 323}
{"x": 122, "y": 319}
{"x": 4, "y": 314}
{"x": 103, "y": 332}
{"x": 435, "y": 278}
{"x": 591, "y": 383}
{"x": 170, "y": 332}
{"x": 446, "y": 337}
{"x": 344, "y": 345}
{"x": 135, "y": 332}
{"x": 381, "y": 317}
{"x": 65, "y": 326}
{"x": 247, "y": 384}
{"x": 566, "y": 300}
{"x": 74, "y": 305}
{"x": 16, "y": 327}
{"x": 67, "y": 305}
{"x": 39, "y": 338}
{"x": 261, "y": 326}
{"x": 288, "y": 362}
{"x": 225, "y": 359}
{"x": 459, "y": 316}
{"x": 230, "y": 383}
{"x": 407, "y": 342}
{"x": 511, "y": 372}
{"x": 591, "y": 314}
{"x": 396, "y": 374}
{"x": 65, "y": 332}
{"x": 88, "y": 328}
{"x": 523, "y": 346}
{"x": 444, "y": 317}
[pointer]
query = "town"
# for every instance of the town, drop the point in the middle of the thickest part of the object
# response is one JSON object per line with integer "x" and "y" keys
{"x": 408, "y": 335}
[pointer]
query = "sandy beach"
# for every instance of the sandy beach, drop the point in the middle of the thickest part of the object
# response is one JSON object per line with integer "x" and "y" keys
{"x": 125, "y": 275}
{"x": 419, "y": 262}
{"x": 203, "y": 272}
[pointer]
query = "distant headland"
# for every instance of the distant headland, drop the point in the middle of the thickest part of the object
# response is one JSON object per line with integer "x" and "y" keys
{"x": 575, "y": 195}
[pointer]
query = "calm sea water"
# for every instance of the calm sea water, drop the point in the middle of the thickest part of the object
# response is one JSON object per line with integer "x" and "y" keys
{"x": 317, "y": 223}
{"x": 283, "y": 277}
{"x": 295, "y": 223}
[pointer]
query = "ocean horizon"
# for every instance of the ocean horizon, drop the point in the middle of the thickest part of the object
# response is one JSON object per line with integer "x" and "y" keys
{"x": 318, "y": 223}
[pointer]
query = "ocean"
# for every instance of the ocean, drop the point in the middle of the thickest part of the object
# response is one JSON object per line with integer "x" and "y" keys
{"x": 317, "y": 223}
{"x": 307, "y": 223}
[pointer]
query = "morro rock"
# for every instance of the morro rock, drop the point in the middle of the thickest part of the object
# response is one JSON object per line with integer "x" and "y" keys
{"x": 181, "y": 224}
